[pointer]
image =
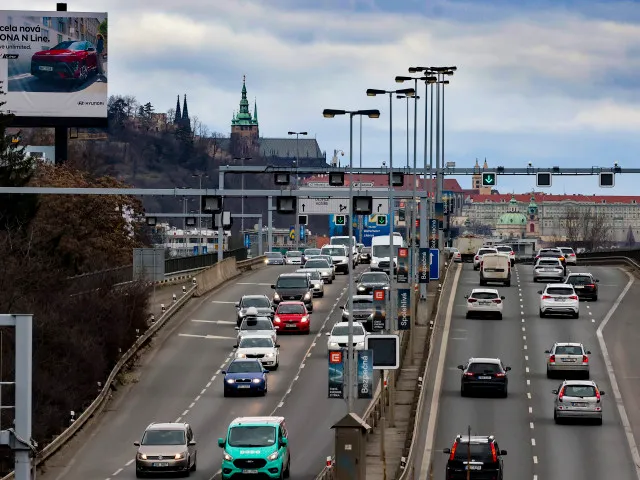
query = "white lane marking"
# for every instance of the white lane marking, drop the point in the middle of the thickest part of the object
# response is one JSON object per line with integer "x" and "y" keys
{"x": 433, "y": 413}
{"x": 185, "y": 412}
{"x": 217, "y": 373}
{"x": 535, "y": 459}
{"x": 531, "y": 425}
{"x": 530, "y": 409}
{"x": 528, "y": 382}
{"x": 202, "y": 391}
{"x": 535, "y": 477}
{"x": 525, "y": 347}
{"x": 130, "y": 462}
{"x": 593, "y": 320}
{"x": 208, "y": 385}
{"x": 526, "y": 369}
{"x": 523, "y": 329}
{"x": 116, "y": 472}
{"x": 524, "y": 337}
{"x": 178, "y": 419}
{"x": 529, "y": 395}
{"x": 222, "y": 302}
{"x": 533, "y": 442}
{"x": 521, "y": 312}
{"x": 280, "y": 405}
{"x": 526, "y": 357}
{"x": 210, "y": 337}
{"x": 219, "y": 322}
{"x": 612, "y": 377}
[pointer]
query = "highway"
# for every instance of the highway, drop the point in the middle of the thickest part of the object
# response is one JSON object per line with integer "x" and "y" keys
{"x": 523, "y": 422}
{"x": 181, "y": 381}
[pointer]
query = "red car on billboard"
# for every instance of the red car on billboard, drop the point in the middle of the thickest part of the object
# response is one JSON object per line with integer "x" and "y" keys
{"x": 292, "y": 317}
{"x": 70, "y": 60}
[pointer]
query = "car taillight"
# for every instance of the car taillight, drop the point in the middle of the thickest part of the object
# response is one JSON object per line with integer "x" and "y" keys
{"x": 561, "y": 394}
{"x": 477, "y": 257}
{"x": 305, "y": 319}
{"x": 573, "y": 297}
{"x": 591, "y": 285}
{"x": 585, "y": 359}
{"x": 453, "y": 451}
{"x": 276, "y": 319}
{"x": 537, "y": 257}
{"x": 468, "y": 374}
{"x": 497, "y": 300}
{"x": 552, "y": 359}
{"x": 471, "y": 300}
{"x": 494, "y": 454}
{"x": 572, "y": 254}
{"x": 546, "y": 297}
{"x": 562, "y": 259}
{"x": 597, "y": 396}
{"x": 481, "y": 264}
{"x": 501, "y": 374}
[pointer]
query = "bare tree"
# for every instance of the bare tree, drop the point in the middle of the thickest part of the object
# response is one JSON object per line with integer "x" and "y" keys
{"x": 131, "y": 105}
{"x": 171, "y": 116}
{"x": 588, "y": 227}
{"x": 573, "y": 225}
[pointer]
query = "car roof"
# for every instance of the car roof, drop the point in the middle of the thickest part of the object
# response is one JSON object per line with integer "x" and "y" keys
{"x": 278, "y": 253}
{"x": 361, "y": 297}
{"x": 484, "y": 360}
{"x": 580, "y": 274}
{"x": 256, "y": 420}
{"x": 252, "y": 318}
{"x": 487, "y": 248}
{"x": 292, "y": 275}
{"x": 563, "y": 285}
{"x": 259, "y": 336}
{"x": 475, "y": 438}
{"x": 294, "y": 251}
{"x": 167, "y": 426}
{"x": 550, "y": 249}
{"x": 245, "y": 360}
{"x": 346, "y": 324}
{"x": 484, "y": 290}
{"x": 590, "y": 383}
{"x": 291, "y": 302}
{"x": 254, "y": 296}
{"x": 567, "y": 344}
{"x": 565, "y": 248}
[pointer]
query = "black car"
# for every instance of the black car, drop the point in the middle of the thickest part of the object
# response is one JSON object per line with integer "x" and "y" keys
{"x": 260, "y": 302}
{"x": 363, "y": 311}
{"x": 274, "y": 258}
{"x": 365, "y": 255}
{"x": 477, "y": 457}
{"x": 484, "y": 374}
{"x": 585, "y": 285}
{"x": 294, "y": 286}
{"x": 370, "y": 281}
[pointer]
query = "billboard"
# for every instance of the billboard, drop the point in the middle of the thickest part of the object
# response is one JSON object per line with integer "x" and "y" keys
{"x": 373, "y": 226}
{"x": 336, "y": 374}
{"x": 53, "y": 67}
{"x": 365, "y": 374}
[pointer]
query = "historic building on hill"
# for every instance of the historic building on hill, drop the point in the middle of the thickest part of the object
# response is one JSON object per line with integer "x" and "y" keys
{"x": 245, "y": 140}
{"x": 181, "y": 118}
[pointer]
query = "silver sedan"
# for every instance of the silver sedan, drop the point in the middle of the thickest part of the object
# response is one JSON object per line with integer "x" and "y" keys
{"x": 567, "y": 358}
{"x": 578, "y": 399}
{"x": 548, "y": 269}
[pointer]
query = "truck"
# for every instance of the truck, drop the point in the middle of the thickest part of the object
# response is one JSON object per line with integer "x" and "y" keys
{"x": 468, "y": 245}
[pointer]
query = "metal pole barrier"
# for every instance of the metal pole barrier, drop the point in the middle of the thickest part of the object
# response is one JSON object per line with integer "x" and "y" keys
{"x": 350, "y": 350}
{"x": 242, "y": 201}
{"x": 220, "y": 244}
{"x": 297, "y": 227}
{"x": 424, "y": 200}
{"x": 441, "y": 243}
{"x": 360, "y": 217}
{"x": 200, "y": 217}
{"x": 414, "y": 245}
{"x": 269, "y": 223}
{"x": 23, "y": 393}
{"x": 260, "y": 247}
{"x": 383, "y": 453}
{"x": 392, "y": 221}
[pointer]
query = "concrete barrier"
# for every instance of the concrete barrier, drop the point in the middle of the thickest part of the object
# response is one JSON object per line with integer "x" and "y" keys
{"x": 215, "y": 275}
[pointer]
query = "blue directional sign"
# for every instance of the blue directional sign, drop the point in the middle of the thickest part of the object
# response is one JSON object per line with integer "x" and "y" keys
{"x": 195, "y": 249}
{"x": 204, "y": 250}
{"x": 247, "y": 240}
{"x": 302, "y": 233}
{"x": 434, "y": 264}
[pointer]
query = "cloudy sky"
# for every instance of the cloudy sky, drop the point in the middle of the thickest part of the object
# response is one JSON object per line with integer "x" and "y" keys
{"x": 551, "y": 82}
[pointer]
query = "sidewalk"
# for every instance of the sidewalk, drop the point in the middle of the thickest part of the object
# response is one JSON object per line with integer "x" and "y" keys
{"x": 395, "y": 439}
{"x": 164, "y": 296}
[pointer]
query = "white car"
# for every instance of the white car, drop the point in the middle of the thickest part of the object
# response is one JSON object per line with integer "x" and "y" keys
{"x": 339, "y": 257}
{"x": 559, "y": 299}
{"x": 261, "y": 347}
{"x": 478, "y": 257}
{"x": 293, "y": 257}
{"x": 339, "y": 336}
{"x": 567, "y": 357}
{"x": 320, "y": 265}
{"x": 484, "y": 301}
{"x": 256, "y": 326}
{"x": 569, "y": 255}
{"x": 507, "y": 250}
{"x": 316, "y": 280}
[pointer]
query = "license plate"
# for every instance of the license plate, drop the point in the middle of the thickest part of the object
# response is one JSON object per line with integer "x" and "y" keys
{"x": 473, "y": 467}
{"x": 291, "y": 325}
{"x": 484, "y": 378}
{"x": 577, "y": 287}
{"x": 243, "y": 386}
{"x": 484, "y": 303}
{"x": 578, "y": 404}
{"x": 251, "y": 472}
{"x": 489, "y": 269}
{"x": 45, "y": 69}
{"x": 160, "y": 464}
{"x": 560, "y": 300}
{"x": 568, "y": 359}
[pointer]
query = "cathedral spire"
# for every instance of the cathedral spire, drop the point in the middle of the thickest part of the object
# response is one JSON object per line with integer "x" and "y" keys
{"x": 178, "y": 116}
{"x": 185, "y": 111}
{"x": 255, "y": 110}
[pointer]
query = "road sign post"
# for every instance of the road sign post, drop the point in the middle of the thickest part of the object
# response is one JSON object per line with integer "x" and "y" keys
{"x": 434, "y": 264}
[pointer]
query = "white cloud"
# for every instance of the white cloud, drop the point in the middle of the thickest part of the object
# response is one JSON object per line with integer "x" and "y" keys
{"x": 608, "y": 114}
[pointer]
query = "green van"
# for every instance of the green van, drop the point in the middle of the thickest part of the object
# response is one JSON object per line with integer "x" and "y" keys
{"x": 256, "y": 445}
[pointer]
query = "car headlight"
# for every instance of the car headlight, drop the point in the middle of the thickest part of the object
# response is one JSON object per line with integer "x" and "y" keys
{"x": 307, "y": 295}
{"x": 256, "y": 380}
{"x": 241, "y": 314}
{"x": 230, "y": 380}
{"x": 276, "y": 296}
{"x": 345, "y": 313}
{"x": 241, "y": 355}
{"x": 142, "y": 456}
{"x": 333, "y": 344}
{"x": 179, "y": 456}
{"x": 270, "y": 355}
{"x": 361, "y": 288}
{"x": 227, "y": 457}
{"x": 273, "y": 456}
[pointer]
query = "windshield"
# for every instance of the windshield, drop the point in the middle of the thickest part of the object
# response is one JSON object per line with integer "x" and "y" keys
{"x": 273, "y": 255}
{"x": 366, "y": 250}
{"x": 292, "y": 282}
{"x": 579, "y": 280}
{"x": 342, "y": 241}
{"x": 579, "y": 391}
{"x": 559, "y": 291}
{"x": 383, "y": 250}
{"x": 504, "y": 249}
{"x": 550, "y": 253}
{"x": 480, "y": 452}
{"x": 256, "y": 342}
{"x": 336, "y": 252}
{"x": 484, "y": 368}
{"x": 291, "y": 309}
{"x": 245, "y": 367}
{"x": 257, "y": 324}
{"x": 484, "y": 295}
{"x": 546, "y": 263}
{"x": 377, "y": 277}
{"x": 252, "y": 436}
{"x": 362, "y": 304}
{"x": 343, "y": 331}
{"x": 163, "y": 437}
{"x": 320, "y": 263}
{"x": 483, "y": 251}
{"x": 315, "y": 275}
{"x": 69, "y": 45}
{"x": 312, "y": 251}
{"x": 294, "y": 254}
{"x": 568, "y": 350}
{"x": 257, "y": 302}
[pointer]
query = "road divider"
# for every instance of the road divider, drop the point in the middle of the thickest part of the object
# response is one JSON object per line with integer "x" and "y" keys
{"x": 204, "y": 282}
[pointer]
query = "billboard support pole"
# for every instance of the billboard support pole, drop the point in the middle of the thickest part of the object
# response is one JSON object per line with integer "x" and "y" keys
{"x": 61, "y": 134}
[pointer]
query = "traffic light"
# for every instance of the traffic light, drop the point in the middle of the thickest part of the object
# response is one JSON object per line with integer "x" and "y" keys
{"x": 543, "y": 179}
{"x": 362, "y": 205}
{"x": 341, "y": 219}
{"x": 381, "y": 220}
{"x": 336, "y": 179}
{"x": 286, "y": 204}
{"x": 281, "y": 178}
{"x": 303, "y": 219}
{"x": 607, "y": 180}
{"x": 489, "y": 179}
{"x": 223, "y": 220}
{"x": 212, "y": 204}
{"x": 401, "y": 214}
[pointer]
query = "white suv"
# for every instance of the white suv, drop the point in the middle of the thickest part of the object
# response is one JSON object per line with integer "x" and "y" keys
{"x": 559, "y": 299}
{"x": 478, "y": 258}
{"x": 507, "y": 250}
{"x": 339, "y": 336}
{"x": 339, "y": 256}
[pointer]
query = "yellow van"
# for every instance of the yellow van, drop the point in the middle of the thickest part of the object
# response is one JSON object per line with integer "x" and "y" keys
{"x": 495, "y": 267}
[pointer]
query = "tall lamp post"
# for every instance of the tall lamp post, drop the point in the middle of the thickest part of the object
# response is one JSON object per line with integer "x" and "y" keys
{"x": 243, "y": 159}
{"x": 372, "y": 92}
{"x": 200, "y": 176}
{"x": 297, "y": 134}
{"x": 351, "y": 380}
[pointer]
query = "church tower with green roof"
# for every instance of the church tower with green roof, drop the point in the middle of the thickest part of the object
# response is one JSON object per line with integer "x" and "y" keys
{"x": 245, "y": 133}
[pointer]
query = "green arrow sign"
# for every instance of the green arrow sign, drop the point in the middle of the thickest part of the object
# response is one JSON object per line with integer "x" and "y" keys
{"x": 340, "y": 219}
{"x": 488, "y": 179}
{"x": 382, "y": 219}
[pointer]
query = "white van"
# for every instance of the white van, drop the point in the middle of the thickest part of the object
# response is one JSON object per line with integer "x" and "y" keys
{"x": 344, "y": 241}
{"x": 495, "y": 267}
{"x": 381, "y": 253}
{"x": 339, "y": 256}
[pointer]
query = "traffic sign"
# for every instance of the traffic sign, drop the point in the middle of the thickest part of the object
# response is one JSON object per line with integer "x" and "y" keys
{"x": 489, "y": 179}
{"x": 292, "y": 233}
{"x": 381, "y": 206}
{"x": 381, "y": 220}
{"x": 341, "y": 219}
{"x": 324, "y": 206}
{"x": 607, "y": 179}
{"x": 434, "y": 264}
{"x": 543, "y": 179}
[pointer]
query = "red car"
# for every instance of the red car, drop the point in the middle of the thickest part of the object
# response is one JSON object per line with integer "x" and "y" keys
{"x": 292, "y": 316}
{"x": 70, "y": 60}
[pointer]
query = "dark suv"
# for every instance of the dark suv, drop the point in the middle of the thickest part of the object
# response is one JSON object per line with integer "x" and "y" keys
{"x": 294, "y": 286}
{"x": 481, "y": 455}
{"x": 584, "y": 284}
{"x": 488, "y": 374}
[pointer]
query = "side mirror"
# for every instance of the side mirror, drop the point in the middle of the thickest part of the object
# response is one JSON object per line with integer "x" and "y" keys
{"x": 555, "y": 392}
{"x": 501, "y": 298}
{"x": 446, "y": 450}
{"x": 192, "y": 443}
{"x": 460, "y": 367}
{"x": 277, "y": 345}
{"x": 597, "y": 281}
{"x": 265, "y": 371}
{"x": 507, "y": 369}
{"x": 503, "y": 452}
{"x": 273, "y": 287}
{"x": 341, "y": 307}
{"x": 284, "y": 442}
{"x": 237, "y": 304}
{"x": 136, "y": 444}
{"x": 602, "y": 393}
{"x": 221, "y": 442}
{"x": 223, "y": 372}
{"x": 328, "y": 334}
{"x": 236, "y": 328}
{"x": 236, "y": 346}
{"x": 547, "y": 351}
{"x": 466, "y": 296}
{"x": 539, "y": 292}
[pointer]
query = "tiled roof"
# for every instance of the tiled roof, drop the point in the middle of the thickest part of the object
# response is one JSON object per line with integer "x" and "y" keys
{"x": 540, "y": 198}
{"x": 289, "y": 148}
{"x": 375, "y": 180}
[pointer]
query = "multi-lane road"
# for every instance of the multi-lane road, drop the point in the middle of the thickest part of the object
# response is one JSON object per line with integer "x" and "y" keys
{"x": 523, "y": 422}
{"x": 181, "y": 381}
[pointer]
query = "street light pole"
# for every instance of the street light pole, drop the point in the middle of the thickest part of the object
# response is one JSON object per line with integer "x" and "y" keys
{"x": 200, "y": 176}
{"x": 297, "y": 227}
{"x": 242, "y": 159}
{"x": 352, "y": 363}
{"x": 360, "y": 217}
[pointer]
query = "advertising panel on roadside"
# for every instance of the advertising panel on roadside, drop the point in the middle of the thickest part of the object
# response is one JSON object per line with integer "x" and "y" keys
{"x": 53, "y": 65}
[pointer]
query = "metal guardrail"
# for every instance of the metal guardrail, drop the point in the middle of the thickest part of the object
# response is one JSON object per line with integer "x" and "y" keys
{"x": 373, "y": 412}
{"x": 104, "y": 394}
{"x": 611, "y": 259}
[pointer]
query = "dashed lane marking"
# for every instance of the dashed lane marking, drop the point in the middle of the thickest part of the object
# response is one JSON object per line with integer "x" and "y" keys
{"x": 210, "y": 337}
{"x": 222, "y": 302}
{"x": 117, "y": 472}
{"x": 218, "y": 322}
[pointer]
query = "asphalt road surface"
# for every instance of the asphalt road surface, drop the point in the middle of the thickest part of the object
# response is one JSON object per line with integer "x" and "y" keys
{"x": 28, "y": 83}
{"x": 523, "y": 422}
{"x": 181, "y": 381}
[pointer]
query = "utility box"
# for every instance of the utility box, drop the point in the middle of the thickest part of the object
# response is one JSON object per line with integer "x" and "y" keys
{"x": 350, "y": 448}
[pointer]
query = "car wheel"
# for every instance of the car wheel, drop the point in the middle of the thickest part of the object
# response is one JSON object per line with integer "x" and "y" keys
{"x": 308, "y": 332}
{"x": 576, "y": 315}
{"x": 556, "y": 418}
{"x": 275, "y": 367}
{"x": 507, "y": 283}
{"x": 482, "y": 283}
{"x": 226, "y": 393}
{"x": 504, "y": 393}
{"x": 594, "y": 298}
{"x": 599, "y": 421}
{"x": 542, "y": 314}
{"x": 549, "y": 373}
{"x": 586, "y": 375}
{"x": 499, "y": 316}
{"x": 139, "y": 474}
{"x": 287, "y": 471}
{"x": 468, "y": 315}
{"x": 463, "y": 391}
